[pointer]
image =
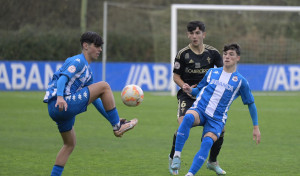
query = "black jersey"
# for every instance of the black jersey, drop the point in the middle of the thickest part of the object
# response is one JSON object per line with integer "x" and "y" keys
{"x": 192, "y": 67}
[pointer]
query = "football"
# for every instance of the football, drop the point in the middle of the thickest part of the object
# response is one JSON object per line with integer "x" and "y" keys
{"x": 132, "y": 95}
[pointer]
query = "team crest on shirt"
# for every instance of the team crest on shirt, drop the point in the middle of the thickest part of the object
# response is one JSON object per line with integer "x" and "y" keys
{"x": 176, "y": 65}
{"x": 235, "y": 78}
{"x": 187, "y": 56}
{"x": 208, "y": 59}
{"x": 72, "y": 69}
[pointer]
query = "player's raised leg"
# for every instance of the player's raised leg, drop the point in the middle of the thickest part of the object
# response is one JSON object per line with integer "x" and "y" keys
{"x": 102, "y": 90}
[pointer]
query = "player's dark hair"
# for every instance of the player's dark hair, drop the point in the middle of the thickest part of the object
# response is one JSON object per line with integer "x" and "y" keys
{"x": 91, "y": 37}
{"x": 233, "y": 46}
{"x": 191, "y": 26}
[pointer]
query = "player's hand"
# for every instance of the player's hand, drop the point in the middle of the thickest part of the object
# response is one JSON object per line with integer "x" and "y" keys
{"x": 61, "y": 103}
{"x": 186, "y": 88}
{"x": 256, "y": 134}
{"x": 193, "y": 86}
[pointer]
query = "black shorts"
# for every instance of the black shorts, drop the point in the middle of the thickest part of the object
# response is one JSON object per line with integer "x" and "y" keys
{"x": 184, "y": 103}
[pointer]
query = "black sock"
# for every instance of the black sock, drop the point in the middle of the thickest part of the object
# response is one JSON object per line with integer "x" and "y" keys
{"x": 215, "y": 149}
{"x": 173, "y": 146}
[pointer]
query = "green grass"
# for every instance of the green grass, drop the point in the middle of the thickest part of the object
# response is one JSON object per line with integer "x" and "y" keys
{"x": 29, "y": 139}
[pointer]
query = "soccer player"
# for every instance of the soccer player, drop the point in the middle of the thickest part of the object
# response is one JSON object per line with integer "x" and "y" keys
{"x": 72, "y": 89}
{"x": 190, "y": 66}
{"x": 215, "y": 93}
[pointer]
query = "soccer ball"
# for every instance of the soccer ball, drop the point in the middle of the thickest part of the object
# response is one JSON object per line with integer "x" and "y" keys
{"x": 132, "y": 95}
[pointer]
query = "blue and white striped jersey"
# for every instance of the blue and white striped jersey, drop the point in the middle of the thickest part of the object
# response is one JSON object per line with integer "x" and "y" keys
{"x": 79, "y": 74}
{"x": 218, "y": 89}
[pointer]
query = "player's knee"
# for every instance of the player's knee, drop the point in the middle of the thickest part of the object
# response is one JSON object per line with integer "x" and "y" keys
{"x": 70, "y": 146}
{"x": 189, "y": 118}
{"x": 180, "y": 119}
{"x": 211, "y": 135}
{"x": 103, "y": 86}
{"x": 208, "y": 139}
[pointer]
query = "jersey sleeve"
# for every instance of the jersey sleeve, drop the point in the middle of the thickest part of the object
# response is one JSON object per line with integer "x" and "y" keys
{"x": 245, "y": 93}
{"x": 178, "y": 64}
{"x": 253, "y": 113}
{"x": 61, "y": 83}
{"x": 72, "y": 68}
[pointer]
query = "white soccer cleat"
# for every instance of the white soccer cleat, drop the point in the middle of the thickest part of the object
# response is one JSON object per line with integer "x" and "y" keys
{"x": 176, "y": 163}
{"x": 125, "y": 126}
{"x": 189, "y": 174}
{"x": 172, "y": 171}
{"x": 215, "y": 167}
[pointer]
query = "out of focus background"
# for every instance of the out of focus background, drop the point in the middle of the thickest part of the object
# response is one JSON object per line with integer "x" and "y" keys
{"x": 139, "y": 31}
{"x": 37, "y": 36}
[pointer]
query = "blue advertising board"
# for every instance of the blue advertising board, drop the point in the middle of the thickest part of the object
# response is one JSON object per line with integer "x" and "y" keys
{"x": 20, "y": 75}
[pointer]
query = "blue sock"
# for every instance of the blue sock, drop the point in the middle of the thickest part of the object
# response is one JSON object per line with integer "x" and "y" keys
{"x": 202, "y": 154}
{"x": 57, "y": 170}
{"x": 99, "y": 106}
{"x": 113, "y": 116}
{"x": 184, "y": 131}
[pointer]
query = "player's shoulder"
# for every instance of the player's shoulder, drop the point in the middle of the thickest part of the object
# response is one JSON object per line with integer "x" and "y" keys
{"x": 77, "y": 59}
{"x": 240, "y": 75}
{"x": 210, "y": 48}
{"x": 183, "y": 50}
{"x": 242, "y": 78}
{"x": 217, "y": 70}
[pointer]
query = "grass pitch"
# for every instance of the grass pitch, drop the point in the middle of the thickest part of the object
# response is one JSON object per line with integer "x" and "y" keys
{"x": 29, "y": 139}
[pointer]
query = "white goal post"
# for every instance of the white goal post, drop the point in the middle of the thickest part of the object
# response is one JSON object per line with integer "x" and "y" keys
{"x": 176, "y": 7}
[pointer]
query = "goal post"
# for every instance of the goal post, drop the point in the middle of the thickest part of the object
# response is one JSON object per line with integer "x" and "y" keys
{"x": 176, "y": 7}
{"x": 104, "y": 47}
{"x": 267, "y": 34}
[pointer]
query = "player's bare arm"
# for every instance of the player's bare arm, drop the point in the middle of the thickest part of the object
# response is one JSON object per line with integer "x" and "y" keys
{"x": 178, "y": 80}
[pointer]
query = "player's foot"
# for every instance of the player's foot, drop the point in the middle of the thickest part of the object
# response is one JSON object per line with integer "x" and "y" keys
{"x": 215, "y": 167}
{"x": 172, "y": 171}
{"x": 125, "y": 126}
{"x": 176, "y": 163}
{"x": 189, "y": 174}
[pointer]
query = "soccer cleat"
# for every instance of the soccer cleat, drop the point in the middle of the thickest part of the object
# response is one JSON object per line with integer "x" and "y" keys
{"x": 176, "y": 163}
{"x": 172, "y": 171}
{"x": 125, "y": 126}
{"x": 215, "y": 167}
